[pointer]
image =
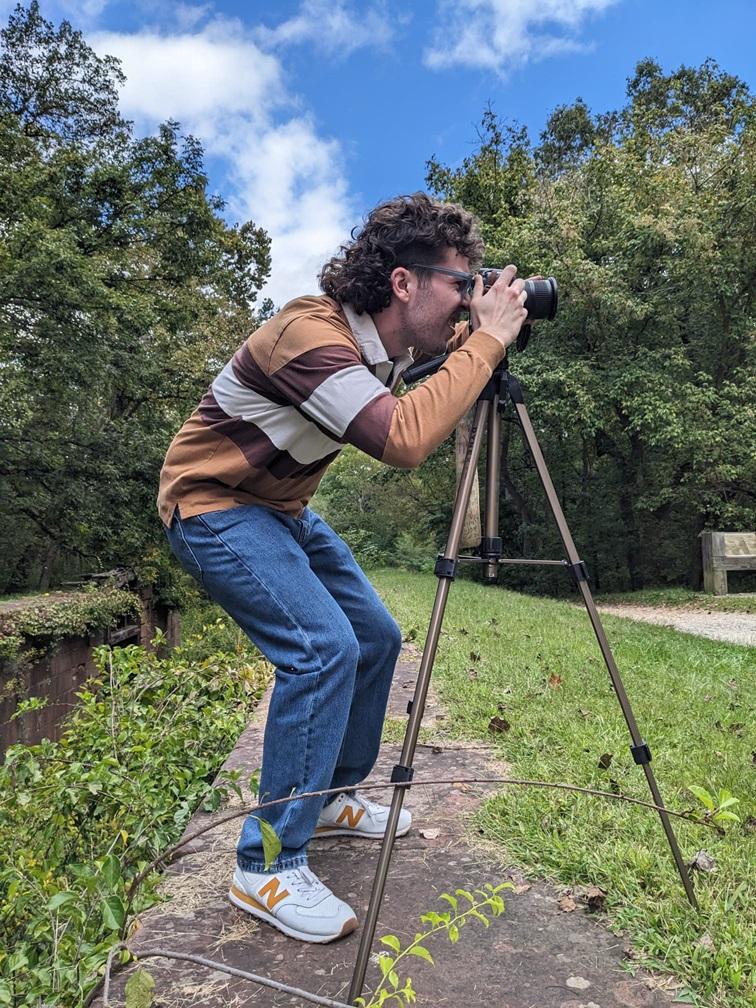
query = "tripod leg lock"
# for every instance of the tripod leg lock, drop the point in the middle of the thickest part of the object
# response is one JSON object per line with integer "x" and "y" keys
{"x": 641, "y": 753}
{"x": 490, "y": 548}
{"x": 400, "y": 774}
{"x": 578, "y": 572}
{"x": 445, "y": 567}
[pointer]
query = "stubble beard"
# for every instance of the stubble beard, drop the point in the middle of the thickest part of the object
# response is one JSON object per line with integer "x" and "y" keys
{"x": 425, "y": 335}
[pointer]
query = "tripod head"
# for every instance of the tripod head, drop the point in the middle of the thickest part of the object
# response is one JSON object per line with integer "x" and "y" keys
{"x": 429, "y": 367}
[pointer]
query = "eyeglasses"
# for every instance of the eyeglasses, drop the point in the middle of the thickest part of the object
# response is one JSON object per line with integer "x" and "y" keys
{"x": 467, "y": 280}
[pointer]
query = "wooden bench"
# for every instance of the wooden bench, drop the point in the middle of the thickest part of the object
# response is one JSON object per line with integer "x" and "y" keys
{"x": 726, "y": 551}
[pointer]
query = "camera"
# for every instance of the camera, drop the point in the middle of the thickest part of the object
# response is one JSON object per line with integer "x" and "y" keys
{"x": 541, "y": 298}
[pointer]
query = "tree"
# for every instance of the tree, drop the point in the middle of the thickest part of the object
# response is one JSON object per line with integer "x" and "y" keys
{"x": 643, "y": 387}
{"x": 122, "y": 291}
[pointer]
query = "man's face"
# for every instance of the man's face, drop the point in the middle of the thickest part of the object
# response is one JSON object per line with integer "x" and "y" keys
{"x": 435, "y": 305}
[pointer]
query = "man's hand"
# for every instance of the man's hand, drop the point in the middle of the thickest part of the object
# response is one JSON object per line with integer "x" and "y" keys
{"x": 500, "y": 309}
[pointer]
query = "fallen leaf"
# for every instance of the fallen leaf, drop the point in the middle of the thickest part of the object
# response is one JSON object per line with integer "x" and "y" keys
{"x": 605, "y": 760}
{"x": 520, "y": 889}
{"x": 706, "y": 942}
{"x": 555, "y": 681}
{"x": 703, "y": 861}
{"x": 577, "y": 983}
{"x": 567, "y": 904}
{"x": 595, "y": 898}
{"x": 498, "y": 724}
{"x": 430, "y": 834}
{"x": 664, "y": 983}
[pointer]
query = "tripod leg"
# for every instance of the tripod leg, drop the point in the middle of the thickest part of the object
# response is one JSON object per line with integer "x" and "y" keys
{"x": 403, "y": 771}
{"x": 639, "y": 749}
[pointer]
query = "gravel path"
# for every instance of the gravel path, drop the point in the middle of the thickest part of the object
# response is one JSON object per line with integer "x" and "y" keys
{"x": 736, "y": 628}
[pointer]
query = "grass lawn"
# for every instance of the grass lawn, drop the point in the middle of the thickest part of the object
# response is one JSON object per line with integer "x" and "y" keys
{"x": 683, "y": 598}
{"x": 535, "y": 662}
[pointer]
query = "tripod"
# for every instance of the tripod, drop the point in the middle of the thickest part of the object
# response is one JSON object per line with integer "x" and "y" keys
{"x": 502, "y": 387}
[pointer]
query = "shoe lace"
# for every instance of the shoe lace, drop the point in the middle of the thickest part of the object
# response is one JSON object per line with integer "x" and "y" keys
{"x": 305, "y": 882}
{"x": 368, "y": 805}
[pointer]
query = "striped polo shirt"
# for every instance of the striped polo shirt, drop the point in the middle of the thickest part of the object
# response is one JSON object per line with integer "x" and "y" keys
{"x": 311, "y": 379}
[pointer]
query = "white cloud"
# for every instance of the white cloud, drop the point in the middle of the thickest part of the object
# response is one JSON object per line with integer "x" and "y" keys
{"x": 232, "y": 96}
{"x": 189, "y": 15}
{"x": 332, "y": 26}
{"x": 193, "y": 77}
{"x": 294, "y": 175}
{"x": 83, "y": 10}
{"x": 501, "y": 35}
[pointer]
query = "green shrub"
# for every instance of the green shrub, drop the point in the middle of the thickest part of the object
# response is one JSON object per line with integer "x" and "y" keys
{"x": 83, "y": 816}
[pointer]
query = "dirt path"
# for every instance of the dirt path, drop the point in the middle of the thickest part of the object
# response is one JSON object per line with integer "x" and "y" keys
{"x": 537, "y": 953}
{"x": 736, "y": 628}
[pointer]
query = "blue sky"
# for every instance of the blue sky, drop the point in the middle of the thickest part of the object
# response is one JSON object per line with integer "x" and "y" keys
{"x": 311, "y": 112}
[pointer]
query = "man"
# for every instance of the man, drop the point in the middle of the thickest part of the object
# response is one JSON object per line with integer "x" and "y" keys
{"x": 233, "y": 497}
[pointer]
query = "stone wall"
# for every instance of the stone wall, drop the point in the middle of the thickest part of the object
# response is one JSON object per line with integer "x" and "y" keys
{"x": 59, "y": 672}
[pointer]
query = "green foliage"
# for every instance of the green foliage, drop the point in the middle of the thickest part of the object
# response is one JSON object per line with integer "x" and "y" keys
{"x": 643, "y": 388}
{"x": 717, "y": 806}
{"x": 693, "y": 698}
{"x": 83, "y": 816}
{"x": 466, "y": 906}
{"x": 46, "y": 622}
{"x": 389, "y": 515}
{"x": 139, "y": 989}
{"x": 122, "y": 291}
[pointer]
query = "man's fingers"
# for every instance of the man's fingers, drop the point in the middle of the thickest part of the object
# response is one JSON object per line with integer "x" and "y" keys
{"x": 507, "y": 275}
{"x": 477, "y": 288}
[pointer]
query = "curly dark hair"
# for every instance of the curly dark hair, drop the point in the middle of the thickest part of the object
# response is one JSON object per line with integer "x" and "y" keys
{"x": 402, "y": 231}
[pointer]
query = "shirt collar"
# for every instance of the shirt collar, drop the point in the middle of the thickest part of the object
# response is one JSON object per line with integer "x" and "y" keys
{"x": 365, "y": 332}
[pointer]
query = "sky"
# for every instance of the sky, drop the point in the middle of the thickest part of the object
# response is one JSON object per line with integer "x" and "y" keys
{"x": 311, "y": 112}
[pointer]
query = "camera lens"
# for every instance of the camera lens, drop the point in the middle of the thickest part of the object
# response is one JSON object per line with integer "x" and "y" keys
{"x": 541, "y": 298}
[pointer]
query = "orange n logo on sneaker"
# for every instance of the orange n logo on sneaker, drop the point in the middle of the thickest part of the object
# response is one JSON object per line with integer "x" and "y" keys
{"x": 351, "y": 815}
{"x": 269, "y": 892}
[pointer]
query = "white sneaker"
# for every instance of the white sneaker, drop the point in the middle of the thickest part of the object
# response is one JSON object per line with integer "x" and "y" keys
{"x": 295, "y": 901}
{"x": 354, "y": 815}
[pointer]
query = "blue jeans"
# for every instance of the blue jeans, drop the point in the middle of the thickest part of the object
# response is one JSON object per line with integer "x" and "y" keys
{"x": 295, "y": 589}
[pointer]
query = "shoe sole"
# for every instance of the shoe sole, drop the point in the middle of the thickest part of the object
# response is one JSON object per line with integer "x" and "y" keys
{"x": 248, "y": 903}
{"x": 321, "y": 831}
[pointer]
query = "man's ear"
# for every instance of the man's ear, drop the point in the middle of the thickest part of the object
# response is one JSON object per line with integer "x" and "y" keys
{"x": 401, "y": 282}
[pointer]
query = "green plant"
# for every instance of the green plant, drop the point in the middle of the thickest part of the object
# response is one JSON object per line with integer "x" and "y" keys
{"x": 465, "y": 907}
{"x": 717, "y": 805}
{"x": 83, "y": 817}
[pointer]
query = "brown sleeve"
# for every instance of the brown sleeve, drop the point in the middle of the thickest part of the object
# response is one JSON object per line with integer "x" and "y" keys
{"x": 424, "y": 417}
